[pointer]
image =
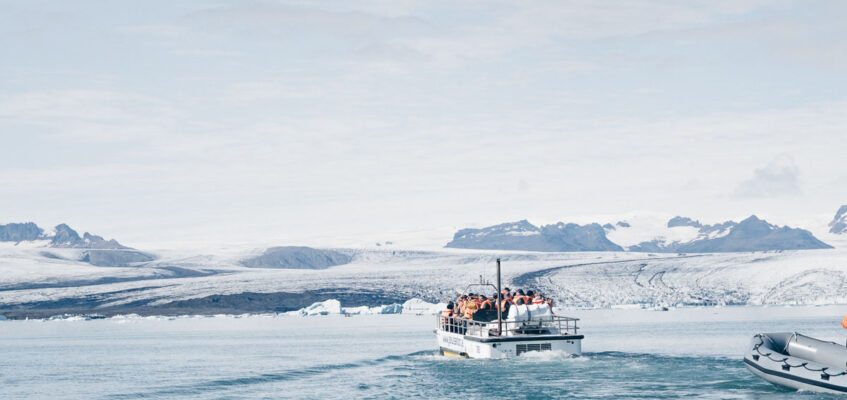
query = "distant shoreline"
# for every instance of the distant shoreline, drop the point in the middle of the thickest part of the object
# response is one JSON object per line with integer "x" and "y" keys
{"x": 241, "y": 303}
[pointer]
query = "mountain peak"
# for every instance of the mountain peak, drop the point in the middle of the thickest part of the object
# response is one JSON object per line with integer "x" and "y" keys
{"x": 16, "y": 232}
{"x": 839, "y": 223}
{"x": 69, "y": 238}
{"x": 522, "y": 235}
{"x": 683, "y": 221}
{"x": 65, "y": 236}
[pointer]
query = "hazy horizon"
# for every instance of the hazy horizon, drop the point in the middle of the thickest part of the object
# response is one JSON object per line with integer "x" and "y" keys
{"x": 292, "y": 121}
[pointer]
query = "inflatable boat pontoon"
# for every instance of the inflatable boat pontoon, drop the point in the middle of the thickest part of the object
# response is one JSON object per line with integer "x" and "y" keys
{"x": 797, "y": 361}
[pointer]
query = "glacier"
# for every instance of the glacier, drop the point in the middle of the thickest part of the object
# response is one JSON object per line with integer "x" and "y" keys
{"x": 185, "y": 282}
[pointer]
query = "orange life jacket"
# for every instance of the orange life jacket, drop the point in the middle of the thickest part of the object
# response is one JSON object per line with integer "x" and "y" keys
{"x": 538, "y": 300}
{"x": 470, "y": 308}
{"x": 447, "y": 313}
{"x": 486, "y": 305}
{"x": 519, "y": 300}
{"x": 844, "y": 322}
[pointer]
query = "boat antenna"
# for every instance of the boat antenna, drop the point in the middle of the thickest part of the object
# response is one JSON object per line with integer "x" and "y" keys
{"x": 499, "y": 302}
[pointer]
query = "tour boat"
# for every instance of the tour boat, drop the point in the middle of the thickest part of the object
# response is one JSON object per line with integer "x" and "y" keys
{"x": 526, "y": 328}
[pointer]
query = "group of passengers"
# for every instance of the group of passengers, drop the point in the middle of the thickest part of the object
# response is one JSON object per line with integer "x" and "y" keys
{"x": 483, "y": 307}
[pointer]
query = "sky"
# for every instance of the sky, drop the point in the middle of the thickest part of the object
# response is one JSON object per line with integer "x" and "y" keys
{"x": 165, "y": 123}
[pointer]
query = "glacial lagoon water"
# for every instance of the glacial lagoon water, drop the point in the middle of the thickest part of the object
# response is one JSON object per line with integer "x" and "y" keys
{"x": 629, "y": 354}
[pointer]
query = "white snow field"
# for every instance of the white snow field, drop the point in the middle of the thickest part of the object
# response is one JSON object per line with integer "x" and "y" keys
{"x": 575, "y": 280}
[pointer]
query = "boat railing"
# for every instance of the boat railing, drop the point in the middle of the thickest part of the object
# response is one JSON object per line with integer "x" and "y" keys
{"x": 555, "y": 325}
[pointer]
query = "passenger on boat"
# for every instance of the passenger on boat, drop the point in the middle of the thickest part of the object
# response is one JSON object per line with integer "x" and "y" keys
{"x": 485, "y": 303}
{"x": 844, "y": 322}
{"x": 519, "y": 298}
{"x": 470, "y": 306}
{"x": 447, "y": 316}
{"x": 538, "y": 299}
{"x": 505, "y": 302}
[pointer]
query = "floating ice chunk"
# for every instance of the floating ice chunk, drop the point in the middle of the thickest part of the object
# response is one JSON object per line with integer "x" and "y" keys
{"x": 357, "y": 310}
{"x": 365, "y": 310}
{"x": 327, "y": 307}
{"x": 390, "y": 309}
{"x": 418, "y": 306}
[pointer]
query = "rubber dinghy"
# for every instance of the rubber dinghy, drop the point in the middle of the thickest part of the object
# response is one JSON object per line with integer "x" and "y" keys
{"x": 797, "y": 361}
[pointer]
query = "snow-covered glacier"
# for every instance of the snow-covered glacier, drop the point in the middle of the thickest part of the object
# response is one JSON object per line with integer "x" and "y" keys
{"x": 181, "y": 282}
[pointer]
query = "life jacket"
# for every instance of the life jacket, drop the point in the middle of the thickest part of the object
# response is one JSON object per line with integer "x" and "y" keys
{"x": 505, "y": 302}
{"x": 538, "y": 300}
{"x": 445, "y": 317}
{"x": 486, "y": 305}
{"x": 470, "y": 308}
{"x": 519, "y": 300}
{"x": 844, "y": 322}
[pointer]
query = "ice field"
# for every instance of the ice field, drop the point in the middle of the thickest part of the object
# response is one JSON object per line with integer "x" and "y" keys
{"x": 578, "y": 280}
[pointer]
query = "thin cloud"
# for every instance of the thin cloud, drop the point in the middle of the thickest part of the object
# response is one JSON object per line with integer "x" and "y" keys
{"x": 781, "y": 177}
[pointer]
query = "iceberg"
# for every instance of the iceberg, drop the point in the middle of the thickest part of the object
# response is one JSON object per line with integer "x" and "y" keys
{"x": 327, "y": 307}
{"x": 332, "y": 306}
{"x": 418, "y": 306}
{"x": 365, "y": 310}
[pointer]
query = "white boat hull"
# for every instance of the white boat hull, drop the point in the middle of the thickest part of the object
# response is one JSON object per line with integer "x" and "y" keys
{"x": 459, "y": 345}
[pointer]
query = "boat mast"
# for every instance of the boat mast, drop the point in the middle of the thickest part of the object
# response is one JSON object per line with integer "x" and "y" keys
{"x": 499, "y": 302}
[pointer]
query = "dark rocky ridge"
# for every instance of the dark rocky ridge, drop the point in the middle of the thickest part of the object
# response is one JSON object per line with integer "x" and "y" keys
{"x": 522, "y": 235}
{"x": 68, "y": 238}
{"x": 116, "y": 258}
{"x": 101, "y": 252}
{"x": 296, "y": 257}
{"x": 16, "y": 232}
{"x": 751, "y": 234}
{"x": 216, "y": 304}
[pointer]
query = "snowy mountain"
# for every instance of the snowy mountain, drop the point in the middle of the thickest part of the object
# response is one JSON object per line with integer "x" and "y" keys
{"x": 98, "y": 251}
{"x": 66, "y": 237}
{"x": 523, "y": 235}
{"x": 20, "y": 232}
{"x": 679, "y": 235}
{"x": 751, "y": 234}
{"x": 839, "y": 223}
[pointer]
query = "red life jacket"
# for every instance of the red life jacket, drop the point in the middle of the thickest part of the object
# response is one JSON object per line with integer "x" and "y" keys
{"x": 538, "y": 300}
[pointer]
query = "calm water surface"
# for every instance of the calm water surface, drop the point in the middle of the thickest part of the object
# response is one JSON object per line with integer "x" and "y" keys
{"x": 632, "y": 354}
